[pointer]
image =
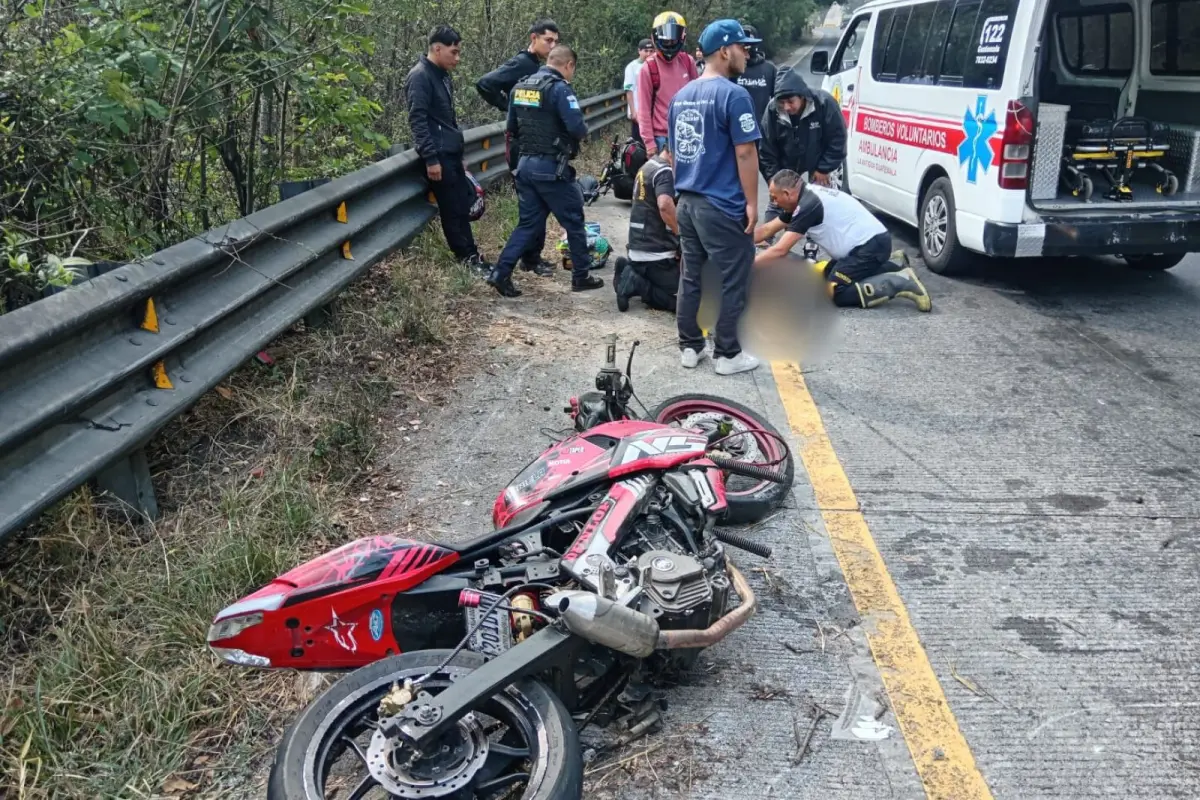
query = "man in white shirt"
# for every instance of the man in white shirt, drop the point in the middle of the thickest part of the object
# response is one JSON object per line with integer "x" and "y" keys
{"x": 860, "y": 272}
{"x": 645, "y": 50}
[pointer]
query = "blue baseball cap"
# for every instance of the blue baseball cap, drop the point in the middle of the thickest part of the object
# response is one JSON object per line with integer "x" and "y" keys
{"x": 722, "y": 33}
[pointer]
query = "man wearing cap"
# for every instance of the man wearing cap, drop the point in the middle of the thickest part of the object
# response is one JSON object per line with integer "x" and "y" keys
{"x": 759, "y": 77}
{"x": 632, "y": 69}
{"x": 713, "y": 138}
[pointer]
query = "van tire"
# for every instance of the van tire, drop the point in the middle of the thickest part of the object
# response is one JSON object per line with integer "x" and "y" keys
{"x": 1159, "y": 262}
{"x": 938, "y": 205}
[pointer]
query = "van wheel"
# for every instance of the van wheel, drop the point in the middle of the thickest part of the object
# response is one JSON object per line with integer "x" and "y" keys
{"x": 1155, "y": 263}
{"x": 939, "y": 239}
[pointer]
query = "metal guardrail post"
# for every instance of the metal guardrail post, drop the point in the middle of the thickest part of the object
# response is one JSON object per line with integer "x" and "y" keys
{"x": 128, "y": 479}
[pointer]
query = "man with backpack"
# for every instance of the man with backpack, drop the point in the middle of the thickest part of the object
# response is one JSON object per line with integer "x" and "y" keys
{"x": 651, "y": 271}
{"x": 663, "y": 74}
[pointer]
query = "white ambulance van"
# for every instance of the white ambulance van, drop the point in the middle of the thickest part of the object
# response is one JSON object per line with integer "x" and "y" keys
{"x": 1025, "y": 127}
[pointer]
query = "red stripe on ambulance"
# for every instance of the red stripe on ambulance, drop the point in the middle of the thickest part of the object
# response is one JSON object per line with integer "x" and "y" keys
{"x": 944, "y": 137}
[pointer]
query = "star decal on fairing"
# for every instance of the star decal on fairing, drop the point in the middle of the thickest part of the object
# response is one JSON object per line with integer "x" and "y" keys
{"x": 343, "y": 633}
{"x": 976, "y": 149}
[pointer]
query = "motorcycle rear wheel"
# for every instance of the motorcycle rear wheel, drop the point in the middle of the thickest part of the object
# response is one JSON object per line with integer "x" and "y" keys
{"x": 748, "y": 500}
{"x": 541, "y": 741}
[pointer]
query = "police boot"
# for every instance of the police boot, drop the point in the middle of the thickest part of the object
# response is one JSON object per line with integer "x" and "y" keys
{"x": 541, "y": 267}
{"x": 586, "y": 283}
{"x": 626, "y": 283}
{"x": 878, "y": 289}
{"x": 502, "y": 285}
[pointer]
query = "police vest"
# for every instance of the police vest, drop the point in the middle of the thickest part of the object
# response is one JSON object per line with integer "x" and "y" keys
{"x": 539, "y": 126}
{"x": 648, "y": 233}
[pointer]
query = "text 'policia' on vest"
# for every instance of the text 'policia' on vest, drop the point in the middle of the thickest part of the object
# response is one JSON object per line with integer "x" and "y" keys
{"x": 540, "y": 131}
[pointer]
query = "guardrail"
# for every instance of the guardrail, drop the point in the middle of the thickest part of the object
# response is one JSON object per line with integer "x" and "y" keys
{"x": 89, "y": 375}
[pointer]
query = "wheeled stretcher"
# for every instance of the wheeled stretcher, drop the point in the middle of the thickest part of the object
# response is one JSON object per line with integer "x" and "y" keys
{"x": 1114, "y": 149}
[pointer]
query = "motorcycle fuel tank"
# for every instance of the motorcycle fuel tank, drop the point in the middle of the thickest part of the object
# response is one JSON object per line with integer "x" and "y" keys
{"x": 610, "y": 450}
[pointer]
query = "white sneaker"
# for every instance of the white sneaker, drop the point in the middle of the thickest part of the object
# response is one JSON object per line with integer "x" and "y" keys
{"x": 690, "y": 358}
{"x": 742, "y": 362}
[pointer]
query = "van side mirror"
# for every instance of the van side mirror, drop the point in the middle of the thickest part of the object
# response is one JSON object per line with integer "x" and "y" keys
{"x": 820, "y": 62}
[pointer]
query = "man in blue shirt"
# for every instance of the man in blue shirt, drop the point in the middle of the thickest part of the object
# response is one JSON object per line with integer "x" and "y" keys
{"x": 544, "y": 114}
{"x": 713, "y": 134}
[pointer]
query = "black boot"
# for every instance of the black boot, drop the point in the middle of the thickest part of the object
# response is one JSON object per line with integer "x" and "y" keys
{"x": 503, "y": 285}
{"x": 629, "y": 285}
{"x": 878, "y": 289}
{"x": 476, "y": 264}
{"x": 586, "y": 283}
{"x": 541, "y": 267}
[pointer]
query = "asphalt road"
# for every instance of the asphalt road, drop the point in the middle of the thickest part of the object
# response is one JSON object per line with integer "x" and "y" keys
{"x": 988, "y": 568}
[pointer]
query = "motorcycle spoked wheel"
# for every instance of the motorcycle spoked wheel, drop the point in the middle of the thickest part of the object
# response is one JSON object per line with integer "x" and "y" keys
{"x": 748, "y": 500}
{"x": 523, "y": 734}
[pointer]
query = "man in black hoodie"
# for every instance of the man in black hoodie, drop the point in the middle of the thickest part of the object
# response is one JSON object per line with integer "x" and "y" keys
{"x": 759, "y": 77}
{"x": 428, "y": 94}
{"x": 803, "y": 130}
{"x": 495, "y": 88}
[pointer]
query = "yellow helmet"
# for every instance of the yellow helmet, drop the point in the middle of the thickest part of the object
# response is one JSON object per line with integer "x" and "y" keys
{"x": 670, "y": 33}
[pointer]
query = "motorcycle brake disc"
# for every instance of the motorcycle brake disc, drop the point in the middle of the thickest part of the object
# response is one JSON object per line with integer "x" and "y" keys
{"x": 451, "y": 766}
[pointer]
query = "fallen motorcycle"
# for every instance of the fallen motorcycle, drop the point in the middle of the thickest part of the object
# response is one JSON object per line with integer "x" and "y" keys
{"x": 606, "y": 571}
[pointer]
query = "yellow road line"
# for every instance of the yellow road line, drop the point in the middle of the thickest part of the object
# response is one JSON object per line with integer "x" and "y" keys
{"x": 939, "y": 750}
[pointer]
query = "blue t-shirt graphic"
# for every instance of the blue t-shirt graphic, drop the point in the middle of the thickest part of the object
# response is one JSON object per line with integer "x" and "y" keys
{"x": 707, "y": 119}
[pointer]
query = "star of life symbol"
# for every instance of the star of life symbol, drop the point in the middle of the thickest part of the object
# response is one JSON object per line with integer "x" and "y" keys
{"x": 343, "y": 633}
{"x": 976, "y": 149}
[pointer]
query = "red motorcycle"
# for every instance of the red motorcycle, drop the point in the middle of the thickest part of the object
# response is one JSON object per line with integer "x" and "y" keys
{"x": 605, "y": 570}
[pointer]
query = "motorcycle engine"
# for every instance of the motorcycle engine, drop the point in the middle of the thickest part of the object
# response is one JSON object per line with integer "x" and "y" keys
{"x": 679, "y": 592}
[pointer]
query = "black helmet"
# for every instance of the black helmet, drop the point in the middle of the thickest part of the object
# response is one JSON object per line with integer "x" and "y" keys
{"x": 590, "y": 188}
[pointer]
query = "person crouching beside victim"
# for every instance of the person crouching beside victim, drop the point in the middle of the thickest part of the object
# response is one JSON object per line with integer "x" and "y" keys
{"x": 861, "y": 272}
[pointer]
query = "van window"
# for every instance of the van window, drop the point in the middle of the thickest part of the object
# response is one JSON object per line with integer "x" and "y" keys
{"x": 984, "y": 68}
{"x": 847, "y": 54}
{"x": 943, "y": 10}
{"x": 885, "y": 56}
{"x": 911, "y": 67}
{"x": 1098, "y": 41}
{"x": 1175, "y": 37}
{"x": 959, "y": 43}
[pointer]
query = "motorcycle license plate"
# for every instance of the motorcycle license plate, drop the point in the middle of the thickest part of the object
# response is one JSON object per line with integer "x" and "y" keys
{"x": 495, "y": 634}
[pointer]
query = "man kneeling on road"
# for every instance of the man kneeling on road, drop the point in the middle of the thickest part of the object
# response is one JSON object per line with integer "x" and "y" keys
{"x": 860, "y": 272}
{"x": 652, "y": 270}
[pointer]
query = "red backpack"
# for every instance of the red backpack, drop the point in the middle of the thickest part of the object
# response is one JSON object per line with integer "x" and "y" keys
{"x": 656, "y": 77}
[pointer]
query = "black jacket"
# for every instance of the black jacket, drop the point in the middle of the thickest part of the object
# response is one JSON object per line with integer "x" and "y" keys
{"x": 813, "y": 142}
{"x": 429, "y": 97}
{"x": 759, "y": 81}
{"x": 494, "y": 87}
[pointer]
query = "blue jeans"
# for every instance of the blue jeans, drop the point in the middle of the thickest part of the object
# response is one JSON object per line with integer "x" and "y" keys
{"x": 709, "y": 236}
{"x": 659, "y": 141}
{"x": 539, "y": 194}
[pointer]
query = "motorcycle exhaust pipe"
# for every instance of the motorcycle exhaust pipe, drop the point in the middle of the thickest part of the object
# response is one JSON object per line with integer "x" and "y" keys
{"x": 605, "y": 622}
{"x": 680, "y": 639}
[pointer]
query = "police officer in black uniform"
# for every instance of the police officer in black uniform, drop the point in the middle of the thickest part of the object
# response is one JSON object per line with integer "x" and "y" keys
{"x": 544, "y": 114}
{"x": 495, "y": 88}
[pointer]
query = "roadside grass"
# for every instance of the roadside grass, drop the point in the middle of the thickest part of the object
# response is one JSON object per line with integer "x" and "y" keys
{"x": 107, "y": 688}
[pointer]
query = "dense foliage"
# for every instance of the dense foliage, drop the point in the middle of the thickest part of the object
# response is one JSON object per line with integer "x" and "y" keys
{"x": 127, "y": 125}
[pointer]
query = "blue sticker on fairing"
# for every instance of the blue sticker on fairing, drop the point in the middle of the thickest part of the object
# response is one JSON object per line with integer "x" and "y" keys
{"x": 375, "y": 623}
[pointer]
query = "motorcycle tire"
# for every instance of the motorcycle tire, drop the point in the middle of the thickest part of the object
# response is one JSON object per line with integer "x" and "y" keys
{"x": 555, "y": 760}
{"x": 752, "y": 501}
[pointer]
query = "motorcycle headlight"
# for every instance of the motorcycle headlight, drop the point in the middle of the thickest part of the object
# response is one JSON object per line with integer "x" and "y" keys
{"x": 231, "y": 626}
{"x": 241, "y": 658}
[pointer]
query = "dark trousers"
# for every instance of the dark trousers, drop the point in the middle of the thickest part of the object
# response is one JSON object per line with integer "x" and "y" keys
{"x": 710, "y": 239}
{"x": 869, "y": 259}
{"x": 656, "y": 282}
{"x": 539, "y": 194}
{"x": 533, "y": 253}
{"x": 455, "y": 195}
{"x": 633, "y": 128}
